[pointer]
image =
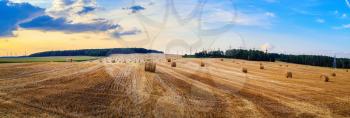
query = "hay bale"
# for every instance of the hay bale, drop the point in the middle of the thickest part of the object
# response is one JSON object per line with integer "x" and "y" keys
{"x": 347, "y": 70}
{"x": 325, "y": 78}
{"x": 169, "y": 60}
{"x": 150, "y": 67}
{"x": 289, "y": 75}
{"x": 244, "y": 70}
{"x": 173, "y": 64}
{"x": 262, "y": 67}
{"x": 334, "y": 74}
{"x": 221, "y": 59}
{"x": 113, "y": 61}
{"x": 202, "y": 64}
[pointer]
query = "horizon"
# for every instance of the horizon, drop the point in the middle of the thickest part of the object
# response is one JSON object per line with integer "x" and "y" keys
{"x": 313, "y": 28}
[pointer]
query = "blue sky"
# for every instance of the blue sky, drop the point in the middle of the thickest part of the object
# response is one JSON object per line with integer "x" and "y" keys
{"x": 298, "y": 27}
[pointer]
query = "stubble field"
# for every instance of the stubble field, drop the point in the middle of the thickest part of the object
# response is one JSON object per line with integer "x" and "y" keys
{"x": 118, "y": 86}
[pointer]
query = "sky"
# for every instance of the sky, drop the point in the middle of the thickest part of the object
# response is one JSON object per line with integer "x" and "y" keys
{"x": 319, "y": 27}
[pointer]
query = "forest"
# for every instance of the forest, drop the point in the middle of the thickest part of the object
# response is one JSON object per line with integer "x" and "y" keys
{"x": 94, "y": 52}
{"x": 257, "y": 55}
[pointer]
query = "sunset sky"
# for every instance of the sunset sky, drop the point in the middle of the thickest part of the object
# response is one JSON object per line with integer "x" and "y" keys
{"x": 176, "y": 26}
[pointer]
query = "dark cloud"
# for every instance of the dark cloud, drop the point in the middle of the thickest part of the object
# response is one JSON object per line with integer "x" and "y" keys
{"x": 86, "y": 10}
{"x": 49, "y": 23}
{"x": 136, "y": 8}
{"x": 13, "y": 13}
{"x": 126, "y": 33}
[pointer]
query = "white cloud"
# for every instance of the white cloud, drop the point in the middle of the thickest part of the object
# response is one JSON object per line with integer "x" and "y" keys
{"x": 270, "y": 14}
{"x": 34, "y": 2}
{"x": 336, "y": 12}
{"x": 320, "y": 20}
{"x": 345, "y": 26}
{"x": 75, "y": 11}
{"x": 271, "y": 1}
{"x": 344, "y": 15}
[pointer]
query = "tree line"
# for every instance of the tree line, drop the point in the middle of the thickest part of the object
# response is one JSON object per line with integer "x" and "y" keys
{"x": 94, "y": 52}
{"x": 257, "y": 55}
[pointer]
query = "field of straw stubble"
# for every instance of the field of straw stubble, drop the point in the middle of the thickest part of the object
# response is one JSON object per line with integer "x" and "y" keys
{"x": 119, "y": 86}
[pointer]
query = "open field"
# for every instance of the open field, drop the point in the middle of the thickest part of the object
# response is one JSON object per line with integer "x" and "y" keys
{"x": 118, "y": 86}
{"x": 44, "y": 59}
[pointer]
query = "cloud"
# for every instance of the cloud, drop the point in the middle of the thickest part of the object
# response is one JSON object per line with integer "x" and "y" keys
{"x": 319, "y": 20}
{"x": 74, "y": 16}
{"x": 75, "y": 11}
{"x": 136, "y": 8}
{"x": 119, "y": 34}
{"x": 49, "y": 23}
{"x": 270, "y": 14}
{"x": 33, "y": 2}
{"x": 344, "y": 15}
{"x": 86, "y": 10}
{"x": 14, "y": 13}
{"x": 271, "y": 1}
{"x": 347, "y": 3}
{"x": 345, "y": 26}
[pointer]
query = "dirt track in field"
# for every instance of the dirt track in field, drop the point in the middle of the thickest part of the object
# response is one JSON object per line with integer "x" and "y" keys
{"x": 124, "y": 89}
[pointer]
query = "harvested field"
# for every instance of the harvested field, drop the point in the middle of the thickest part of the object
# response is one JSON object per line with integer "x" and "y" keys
{"x": 118, "y": 86}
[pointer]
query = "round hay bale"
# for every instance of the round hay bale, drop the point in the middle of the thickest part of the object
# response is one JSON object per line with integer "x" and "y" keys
{"x": 325, "y": 78}
{"x": 347, "y": 70}
{"x": 262, "y": 67}
{"x": 173, "y": 64}
{"x": 244, "y": 70}
{"x": 202, "y": 64}
{"x": 169, "y": 60}
{"x": 289, "y": 75}
{"x": 334, "y": 74}
{"x": 150, "y": 67}
{"x": 221, "y": 59}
